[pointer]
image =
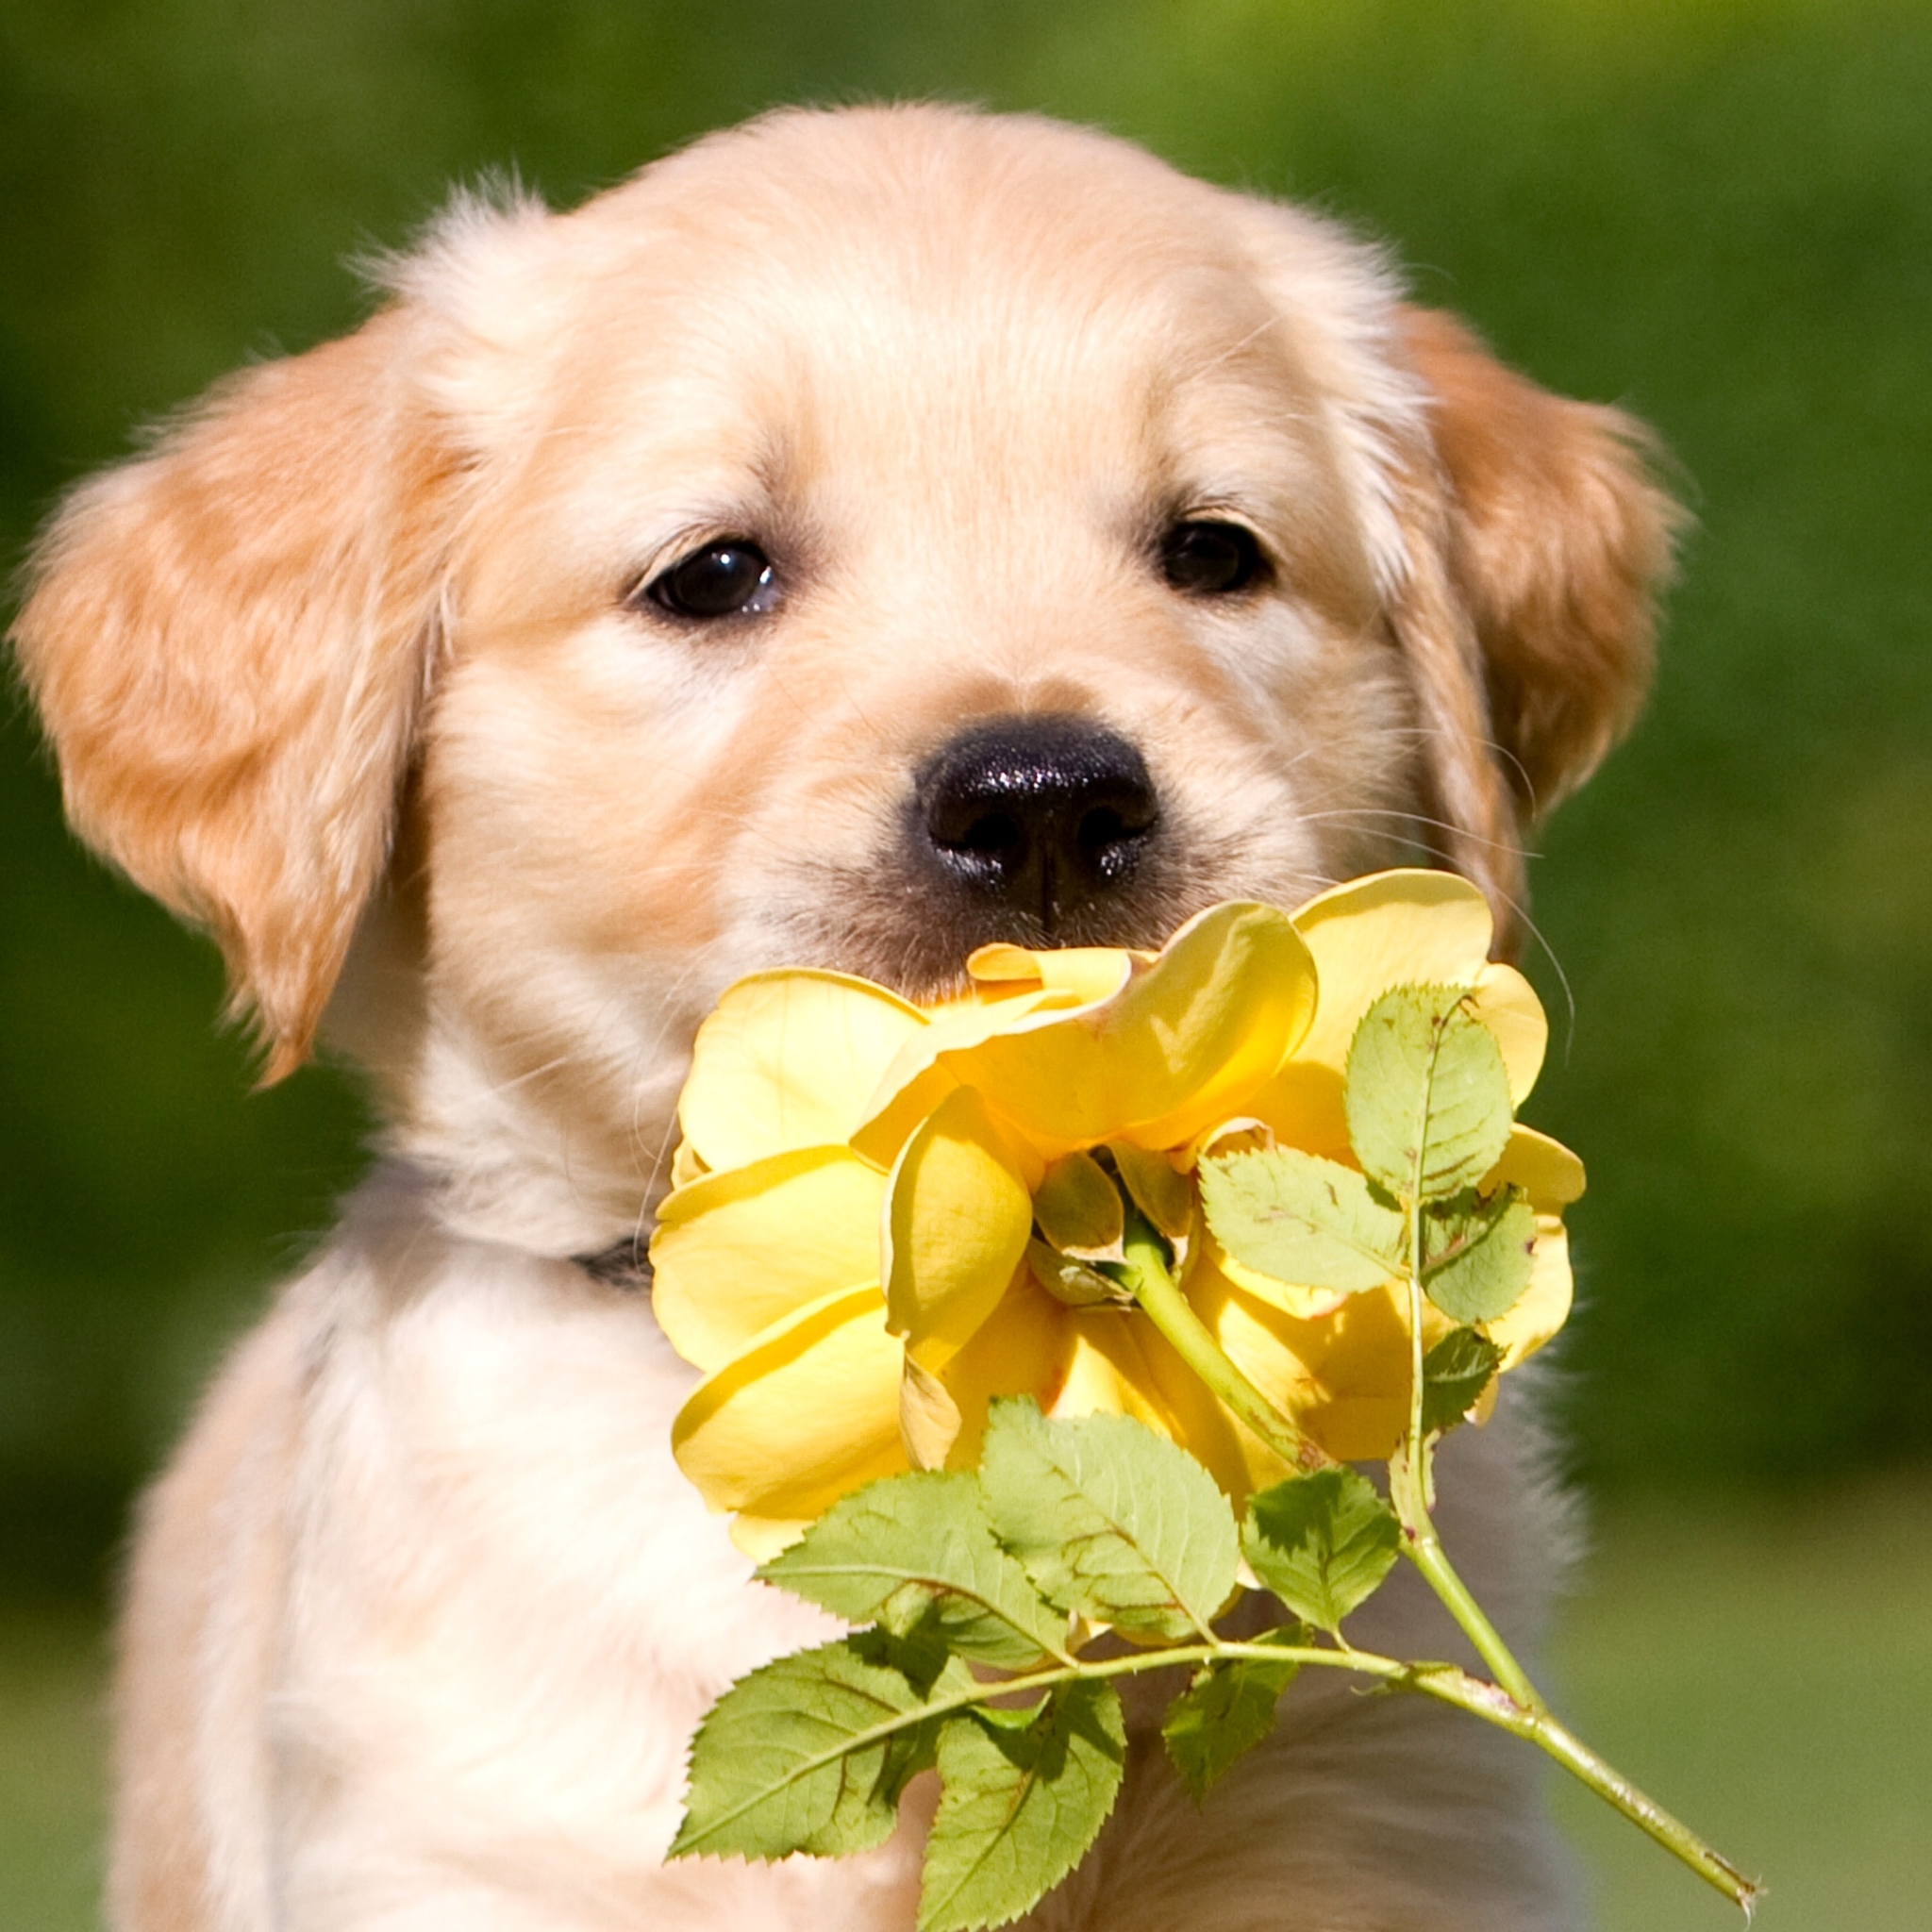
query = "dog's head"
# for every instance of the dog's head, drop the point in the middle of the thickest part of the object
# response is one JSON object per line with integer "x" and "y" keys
{"x": 860, "y": 536}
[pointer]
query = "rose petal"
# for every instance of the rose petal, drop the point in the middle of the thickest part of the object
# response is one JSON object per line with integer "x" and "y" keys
{"x": 1302, "y": 1107}
{"x": 1507, "y": 1003}
{"x": 1544, "y": 1169}
{"x": 1207, "y": 1022}
{"x": 912, "y": 1084}
{"x": 1343, "y": 1379}
{"x": 1294, "y": 1298}
{"x": 1124, "y": 1364}
{"x": 735, "y": 1252}
{"x": 1270, "y": 1348}
{"x": 1108, "y": 1373}
{"x": 958, "y": 1221}
{"x": 1364, "y": 1374}
{"x": 1087, "y": 973}
{"x": 929, "y": 1417}
{"x": 762, "y": 1536}
{"x": 1023, "y": 1348}
{"x": 1408, "y": 928}
{"x": 1078, "y": 1363}
{"x": 787, "y": 1060}
{"x": 804, "y": 1415}
{"x": 685, "y": 1165}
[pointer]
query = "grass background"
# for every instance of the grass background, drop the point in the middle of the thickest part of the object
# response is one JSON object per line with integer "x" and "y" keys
{"x": 1716, "y": 214}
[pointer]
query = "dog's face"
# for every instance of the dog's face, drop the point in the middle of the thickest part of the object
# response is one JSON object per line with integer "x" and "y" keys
{"x": 857, "y": 538}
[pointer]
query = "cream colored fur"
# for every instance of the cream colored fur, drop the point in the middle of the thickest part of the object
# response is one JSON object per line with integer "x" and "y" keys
{"x": 349, "y": 669}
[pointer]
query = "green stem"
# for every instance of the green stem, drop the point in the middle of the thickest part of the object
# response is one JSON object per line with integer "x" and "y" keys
{"x": 1444, "y": 1682}
{"x": 1540, "y": 1728}
{"x": 1512, "y": 1703}
{"x": 1409, "y": 1485}
{"x": 1423, "y": 1548}
{"x": 1170, "y": 1311}
{"x": 1413, "y": 1439}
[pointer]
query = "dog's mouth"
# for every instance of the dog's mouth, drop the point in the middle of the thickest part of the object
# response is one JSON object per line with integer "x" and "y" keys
{"x": 911, "y": 929}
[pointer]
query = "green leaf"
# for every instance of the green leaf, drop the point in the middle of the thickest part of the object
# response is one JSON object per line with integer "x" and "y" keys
{"x": 1477, "y": 1255}
{"x": 1302, "y": 1218}
{"x": 1228, "y": 1709}
{"x": 1019, "y": 1805}
{"x": 810, "y": 1754}
{"x": 1428, "y": 1095}
{"x": 1321, "y": 1542}
{"x": 1110, "y": 1519}
{"x": 917, "y": 1551}
{"x": 1454, "y": 1374}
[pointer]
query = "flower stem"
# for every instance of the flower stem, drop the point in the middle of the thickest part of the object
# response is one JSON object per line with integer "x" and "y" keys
{"x": 1423, "y": 1548}
{"x": 1444, "y": 1682}
{"x": 1512, "y": 1703}
{"x": 1540, "y": 1728}
{"x": 1409, "y": 1489}
{"x": 1161, "y": 1300}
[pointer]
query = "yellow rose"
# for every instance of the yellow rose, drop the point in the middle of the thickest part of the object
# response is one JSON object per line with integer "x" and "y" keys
{"x": 885, "y": 1215}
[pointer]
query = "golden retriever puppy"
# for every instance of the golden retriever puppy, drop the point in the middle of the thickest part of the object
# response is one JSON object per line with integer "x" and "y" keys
{"x": 860, "y": 536}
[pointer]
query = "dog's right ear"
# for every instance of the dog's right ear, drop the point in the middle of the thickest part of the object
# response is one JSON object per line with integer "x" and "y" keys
{"x": 229, "y": 641}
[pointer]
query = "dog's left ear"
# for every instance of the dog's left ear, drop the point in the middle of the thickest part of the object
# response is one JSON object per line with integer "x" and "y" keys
{"x": 1559, "y": 541}
{"x": 1521, "y": 539}
{"x": 1538, "y": 542}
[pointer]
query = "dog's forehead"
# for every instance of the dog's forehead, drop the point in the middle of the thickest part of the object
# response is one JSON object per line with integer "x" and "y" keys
{"x": 885, "y": 281}
{"x": 958, "y": 209}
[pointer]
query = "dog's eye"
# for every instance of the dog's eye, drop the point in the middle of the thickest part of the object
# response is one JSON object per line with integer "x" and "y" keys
{"x": 731, "y": 577}
{"x": 1211, "y": 559}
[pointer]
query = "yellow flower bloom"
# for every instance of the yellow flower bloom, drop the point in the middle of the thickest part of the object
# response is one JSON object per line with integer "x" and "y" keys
{"x": 885, "y": 1215}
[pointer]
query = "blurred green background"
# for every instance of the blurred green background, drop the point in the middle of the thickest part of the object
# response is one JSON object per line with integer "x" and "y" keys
{"x": 1719, "y": 214}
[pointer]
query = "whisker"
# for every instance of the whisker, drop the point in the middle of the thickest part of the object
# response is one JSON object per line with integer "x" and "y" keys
{"x": 1342, "y": 814}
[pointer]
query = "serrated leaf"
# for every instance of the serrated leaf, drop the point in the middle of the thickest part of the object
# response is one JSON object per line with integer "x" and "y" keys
{"x": 810, "y": 1754}
{"x": 1301, "y": 1219}
{"x": 1110, "y": 1519}
{"x": 917, "y": 1551}
{"x": 1428, "y": 1095}
{"x": 1019, "y": 1806}
{"x": 1321, "y": 1542}
{"x": 1477, "y": 1256}
{"x": 1228, "y": 1709}
{"x": 1454, "y": 1374}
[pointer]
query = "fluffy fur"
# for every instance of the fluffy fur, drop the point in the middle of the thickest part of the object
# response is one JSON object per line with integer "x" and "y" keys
{"x": 349, "y": 669}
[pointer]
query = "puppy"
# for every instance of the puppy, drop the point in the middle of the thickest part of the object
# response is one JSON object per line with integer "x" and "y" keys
{"x": 858, "y": 537}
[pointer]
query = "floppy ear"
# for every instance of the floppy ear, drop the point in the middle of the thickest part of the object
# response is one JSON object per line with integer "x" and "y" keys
{"x": 1519, "y": 537}
{"x": 229, "y": 642}
{"x": 1558, "y": 542}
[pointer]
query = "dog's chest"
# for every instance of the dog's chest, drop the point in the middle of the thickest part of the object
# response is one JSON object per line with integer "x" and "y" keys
{"x": 505, "y": 1610}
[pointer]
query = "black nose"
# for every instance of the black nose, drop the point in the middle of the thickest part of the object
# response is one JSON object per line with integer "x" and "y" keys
{"x": 1047, "y": 814}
